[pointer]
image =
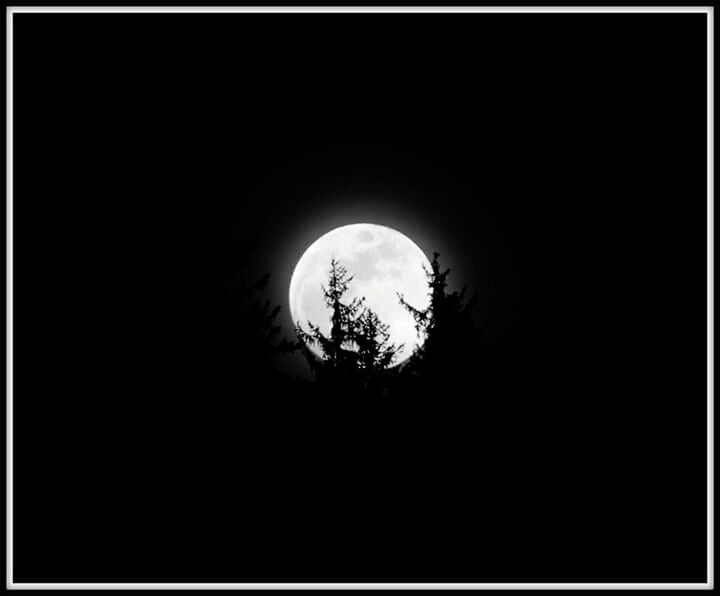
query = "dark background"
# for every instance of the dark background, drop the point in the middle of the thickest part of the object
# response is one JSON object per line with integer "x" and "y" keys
{"x": 557, "y": 162}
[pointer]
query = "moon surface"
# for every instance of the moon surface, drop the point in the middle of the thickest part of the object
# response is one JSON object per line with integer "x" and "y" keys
{"x": 383, "y": 262}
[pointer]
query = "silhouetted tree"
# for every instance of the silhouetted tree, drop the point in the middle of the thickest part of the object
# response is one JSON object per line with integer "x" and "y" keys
{"x": 375, "y": 352}
{"x": 255, "y": 320}
{"x": 244, "y": 344}
{"x": 447, "y": 326}
{"x": 338, "y": 348}
{"x": 358, "y": 346}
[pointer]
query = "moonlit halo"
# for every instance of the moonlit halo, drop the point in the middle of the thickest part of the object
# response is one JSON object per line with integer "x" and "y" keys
{"x": 383, "y": 263}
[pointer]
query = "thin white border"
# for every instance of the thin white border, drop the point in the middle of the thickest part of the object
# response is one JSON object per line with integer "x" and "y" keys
{"x": 9, "y": 307}
{"x": 358, "y": 9}
{"x": 710, "y": 297}
{"x": 358, "y": 586}
{"x": 369, "y": 9}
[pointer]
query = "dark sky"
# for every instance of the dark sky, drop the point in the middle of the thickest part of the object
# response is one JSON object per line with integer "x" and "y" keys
{"x": 557, "y": 163}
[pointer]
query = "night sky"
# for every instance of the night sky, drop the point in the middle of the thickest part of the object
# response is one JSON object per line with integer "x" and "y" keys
{"x": 556, "y": 162}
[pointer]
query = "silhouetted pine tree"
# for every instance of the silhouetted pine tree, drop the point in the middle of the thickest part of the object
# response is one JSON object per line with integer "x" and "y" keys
{"x": 358, "y": 347}
{"x": 338, "y": 348}
{"x": 375, "y": 352}
{"x": 256, "y": 322}
{"x": 451, "y": 335}
{"x": 244, "y": 341}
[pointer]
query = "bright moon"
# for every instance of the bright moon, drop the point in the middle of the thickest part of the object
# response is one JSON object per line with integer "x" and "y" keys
{"x": 382, "y": 262}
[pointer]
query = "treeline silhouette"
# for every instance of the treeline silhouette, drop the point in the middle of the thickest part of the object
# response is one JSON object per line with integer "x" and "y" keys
{"x": 356, "y": 355}
{"x": 356, "y": 382}
{"x": 366, "y": 458}
{"x": 357, "y": 359}
{"x": 365, "y": 426}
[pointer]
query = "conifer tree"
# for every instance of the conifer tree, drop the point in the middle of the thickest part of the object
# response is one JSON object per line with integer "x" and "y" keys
{"x": 338, "y": 347}
{"x": 253, "y": 322}
{"x": 375, "y": 352}
{"x": 446, "y": 325}
{"x": 358, "y": 345}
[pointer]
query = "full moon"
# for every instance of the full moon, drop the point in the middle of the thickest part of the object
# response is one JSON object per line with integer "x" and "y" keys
{"x": 383, "y": 263}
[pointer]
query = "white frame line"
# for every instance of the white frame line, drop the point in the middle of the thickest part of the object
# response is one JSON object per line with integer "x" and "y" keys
{"x": 10, "y": 584}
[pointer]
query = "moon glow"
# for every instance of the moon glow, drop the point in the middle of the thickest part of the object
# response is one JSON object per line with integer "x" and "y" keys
{"x": 382, "y": 262}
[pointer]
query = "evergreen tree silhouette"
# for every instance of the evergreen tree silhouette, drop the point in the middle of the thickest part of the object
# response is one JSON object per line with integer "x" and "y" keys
{"x": 358, "y": 346}
{"x": 243, "y": 344}
{"x": 338, "y": 348}
{"x": 375, "y": 352}
{"x": 447, "y": 326}
{"x": 255, "y": 320}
